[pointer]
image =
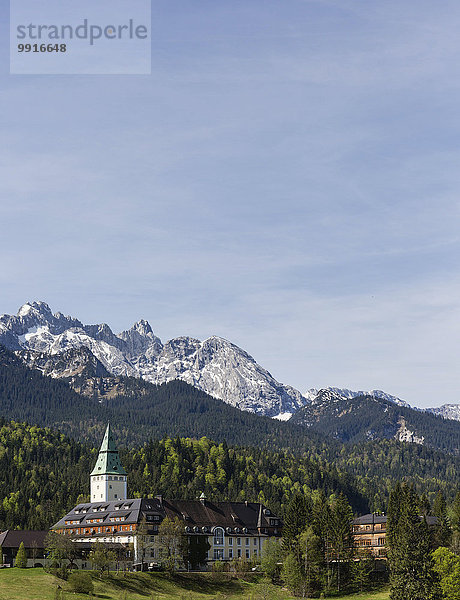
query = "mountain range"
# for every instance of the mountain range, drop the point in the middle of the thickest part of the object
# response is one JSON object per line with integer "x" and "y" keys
{"x": 95, "y": 362}
{"x": 214, "y": 365}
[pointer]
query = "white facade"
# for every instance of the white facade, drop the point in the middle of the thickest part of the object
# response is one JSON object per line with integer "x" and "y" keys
{"x": 106, "y": 488}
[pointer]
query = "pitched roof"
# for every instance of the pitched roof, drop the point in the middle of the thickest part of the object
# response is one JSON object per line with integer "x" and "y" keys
{"x": 372, "y": 518}
{"x": 235, "y": 517}
{"x": 108, "y": 461}
{"x": 12, "y": 538}
{"x": 133, "y": 513}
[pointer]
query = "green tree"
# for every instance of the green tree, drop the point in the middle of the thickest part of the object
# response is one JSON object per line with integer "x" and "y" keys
{"x": 296, "y": 517}
{"x": 312, "y": 560}
{"x": 197, "y": 550}
{"x": 455, "y": 513}
{"x": 141, "y": 543}
{"x": 447, "y": 566}
{"x": 173, "y": 544}
{"x": 59, "y": 549}
{"x": 361, "y": 572}
{"x": 321, "y": 521}
{"x": 424, "y": 505}
{"x": 442, "y": 533}
{"x": 272, "y": 558}
{"x": 21, "y": 557}
{"x": 412, "y": 576}
{"x": 102, "y": 557}
{"x": 292, "y": 574}
{"x": 341, "y": 537}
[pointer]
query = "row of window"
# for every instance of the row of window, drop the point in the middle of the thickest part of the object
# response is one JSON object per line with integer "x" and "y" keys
{"x": 218, "y": 540}
{"x": 219, "y": 553}
{"x": 380, "y": 542}
{"x": 110, "y": 478}
{"x": 109, "y": 529}
{"x": 377, "y": 526}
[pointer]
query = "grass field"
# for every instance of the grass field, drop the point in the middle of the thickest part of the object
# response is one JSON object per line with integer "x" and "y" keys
{"x": 35, "y": 584}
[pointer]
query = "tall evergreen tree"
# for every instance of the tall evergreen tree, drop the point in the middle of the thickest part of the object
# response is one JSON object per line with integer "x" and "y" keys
{"x": 394, "y": 514}
{"x": 298, "y": 512}
{"x": 424, "y": 505}
{"x": 455, "y": 512}
{"x": 341, "y": 537}
{"x": 442, "y": 533}
{"x": 411, "y": 568}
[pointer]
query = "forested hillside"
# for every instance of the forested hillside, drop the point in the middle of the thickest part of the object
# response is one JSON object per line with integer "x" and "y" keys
{"x": 177, "y": 410}
{"x": 368, "y": 418}
{"x": 42, "y": 474}
{"x": 144, "y": 412}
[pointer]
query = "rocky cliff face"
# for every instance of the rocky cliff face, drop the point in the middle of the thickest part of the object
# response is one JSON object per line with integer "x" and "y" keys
{"x": 63, "y": 347}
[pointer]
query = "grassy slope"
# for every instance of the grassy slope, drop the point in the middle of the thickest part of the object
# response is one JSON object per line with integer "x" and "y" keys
{"x": 35, "y": 584}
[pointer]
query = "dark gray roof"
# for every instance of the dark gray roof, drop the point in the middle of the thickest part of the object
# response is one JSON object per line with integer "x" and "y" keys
{"x": 370, "y": 519}
{"x": 235, "y": 517}
{"x": 12, "y": 538}
{"x": 134, "y": 513}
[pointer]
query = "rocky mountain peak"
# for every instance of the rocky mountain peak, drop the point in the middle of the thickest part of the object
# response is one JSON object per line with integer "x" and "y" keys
{"x": 35, "y": 308}
{"x": 142, "y": 327}
{"x": 215, "y": 365}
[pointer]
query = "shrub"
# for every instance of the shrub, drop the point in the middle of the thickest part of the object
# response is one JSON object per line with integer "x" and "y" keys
{"x": 81, "y": 582}
{"x": 21, "y": 557}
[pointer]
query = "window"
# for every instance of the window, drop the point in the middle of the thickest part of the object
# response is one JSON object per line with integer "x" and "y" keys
{"x": 247, "y": 541}
{"x": 152, "y": 553}
{"x": 218, "y": 553}
{"x": 239, "y": 552}
{"x": 230, "y": 541}
{"x": 238, "y": 541}
{"x": 255, "y": 541}
{"x": 230, "y": 553}
{"x": 247, "y": 552}
{"x": 218, "y": 536}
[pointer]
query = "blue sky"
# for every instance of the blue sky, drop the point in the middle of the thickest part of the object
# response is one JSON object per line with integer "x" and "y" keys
{"x": 287, "y": 177}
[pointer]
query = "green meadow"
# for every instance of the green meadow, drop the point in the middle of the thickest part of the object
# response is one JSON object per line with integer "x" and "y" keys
{"x": 35, "y": 584}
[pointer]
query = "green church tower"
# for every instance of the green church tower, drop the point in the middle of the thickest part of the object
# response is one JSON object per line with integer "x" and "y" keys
{"x": 108, "y": 478}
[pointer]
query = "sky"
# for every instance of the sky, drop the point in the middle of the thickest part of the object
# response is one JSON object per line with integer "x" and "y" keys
{"x": 288, "y": 178}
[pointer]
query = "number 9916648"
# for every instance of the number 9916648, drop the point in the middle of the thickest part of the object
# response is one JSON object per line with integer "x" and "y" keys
{"x": 42, "y": 48}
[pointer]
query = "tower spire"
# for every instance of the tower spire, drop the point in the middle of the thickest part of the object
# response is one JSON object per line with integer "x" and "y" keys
{"x": 108, "y": 478}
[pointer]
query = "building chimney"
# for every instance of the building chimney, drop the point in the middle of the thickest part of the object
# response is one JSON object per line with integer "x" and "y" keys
{"x": 203, "y": 498}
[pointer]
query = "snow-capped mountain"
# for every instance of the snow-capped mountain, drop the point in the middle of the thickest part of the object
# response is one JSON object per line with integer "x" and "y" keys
{"x": 448, "y": 411}
{"x": 313, "y": 394}
{"x": 214, "y": 365}
{"x": 367, "y": 417}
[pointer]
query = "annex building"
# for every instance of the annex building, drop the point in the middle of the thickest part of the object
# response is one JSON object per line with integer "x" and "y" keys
{"x": 232, "y": 529}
